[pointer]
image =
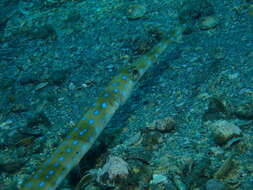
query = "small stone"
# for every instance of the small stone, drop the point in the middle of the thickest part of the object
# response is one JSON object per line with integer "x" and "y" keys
{"x": 158, "y": 178}
{"x": 223, "y": 131}
{"x": 214, "y": 184}
{"x": 135, "y": 11}
{"x": 163, "y": 125}
{"x": 40, "y": 86}
{"x": 72, "y": 86}
{"x": 208, "y": 23}
{"x": 6, "y": 125}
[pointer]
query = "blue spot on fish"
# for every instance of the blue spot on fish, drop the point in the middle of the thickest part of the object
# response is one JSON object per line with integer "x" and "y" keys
{"x": 42, "y": 183}
{"x": 96, "y": 112}
{"x": 83, "y": 131}
{"x": 83, "y": 118}
{"x": 104, "y": 105}
{"x": 124, "y": 93}
{"x": 91, "y": 121}
{"x": 51, "y": 172}
{"x": 75, "y": 142}
{"x": 115, "y": 90}
{"x": 68, "y": 150}
{"x": 114, "y": 84}
{"x": 124, "y": 77}
{"x": 149, "y": 62}
{"x": 56, "y": 164}
{"x": 61, "y": 158}
{"x": 106, "y": 94}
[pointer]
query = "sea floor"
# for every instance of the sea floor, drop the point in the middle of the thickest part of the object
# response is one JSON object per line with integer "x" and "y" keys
{"x": 189, "y": 121}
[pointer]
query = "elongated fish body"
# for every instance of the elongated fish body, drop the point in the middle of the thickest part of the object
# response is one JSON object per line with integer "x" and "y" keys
{"x": 82, "y": 137}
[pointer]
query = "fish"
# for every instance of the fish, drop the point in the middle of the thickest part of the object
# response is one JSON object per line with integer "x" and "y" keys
{"x": 78, "y": 142}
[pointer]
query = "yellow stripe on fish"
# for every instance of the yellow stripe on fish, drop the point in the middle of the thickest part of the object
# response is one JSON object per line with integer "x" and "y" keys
{"x": 79, "y": 141}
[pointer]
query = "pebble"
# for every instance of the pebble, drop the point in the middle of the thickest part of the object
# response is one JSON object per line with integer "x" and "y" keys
{"x": 6, "y": 125}
{"x": 223, "y": 131}
{"x": 208, "y": 22}
{"x": 163, "y": 125}
{"x": 135, "y": 11}
{"x": 158, "y": 178}
{"x": 40, "y": 86}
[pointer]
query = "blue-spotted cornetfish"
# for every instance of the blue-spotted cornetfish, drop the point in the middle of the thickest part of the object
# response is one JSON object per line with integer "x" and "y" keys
{"x": 92, "y": 123}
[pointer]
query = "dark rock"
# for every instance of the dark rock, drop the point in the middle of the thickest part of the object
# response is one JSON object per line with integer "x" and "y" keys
{"x": 245, "y": 111}
{"x": 6, "y": 82}
{"x": 42, "y": 32}
{"x": 12, "y": 186}
{"x": 39, "y": 118}
{"x": 10, "y": 138}
{"x": 247, "y": 185}
{"x": 216, "y": 110}
{"x": 29, "y": 78}
{"x": 195, "y": 9}
{"x": 196, "y": 177}
{"x": 11, "y": 165}
{"x": 58, "y": 77}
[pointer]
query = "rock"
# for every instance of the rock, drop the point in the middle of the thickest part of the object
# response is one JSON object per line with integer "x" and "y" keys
{"x": 223, "y": 131}
{"x": 214, "y": 184}
{"x": 40, "y": 86}
{"x": 58, "y": 77}
{"x": 158, "y": 178}
{"x": 38, "y": 118}
{"x": 42, "y": 32}
{"x": 9, "y": 138}
{"x": 29, "y": 78}
{"x": 245, "y": 111}
{"x": 114, "y": 171}
{"x": 135, "y": 11}
{"x": 208, "y": 22}
{"x": 163, "y": 125}
{"x": 6, "y": 82}
{"x": 194, "y": 9}
{"x": 216, "y": 110}
{"x": 11, "y": 186}
{"x": 18, "y": 108}
{"x": 11, "y": 165}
